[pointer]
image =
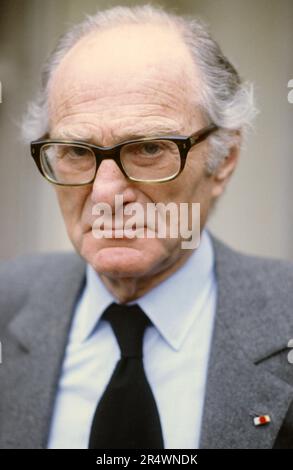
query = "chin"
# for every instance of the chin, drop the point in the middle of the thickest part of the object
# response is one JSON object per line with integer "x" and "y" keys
{"x": 124, "y": 258}
{"x": 123, "y": 261}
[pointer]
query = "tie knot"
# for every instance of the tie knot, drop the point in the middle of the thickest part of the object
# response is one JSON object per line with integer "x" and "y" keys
{"x": 128, "y": 323}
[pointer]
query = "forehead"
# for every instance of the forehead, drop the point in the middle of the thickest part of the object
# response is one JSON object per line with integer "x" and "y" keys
{"x": 142, "y": 65}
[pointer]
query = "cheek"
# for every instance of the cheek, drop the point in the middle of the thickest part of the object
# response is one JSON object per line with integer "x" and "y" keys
{"x": 72, "y": 202}
{"x": 195, "y": 186}
{"x": 195, "y": 181}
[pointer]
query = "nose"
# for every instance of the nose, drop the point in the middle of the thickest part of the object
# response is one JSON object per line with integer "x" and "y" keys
{"x": 109, "y": 182}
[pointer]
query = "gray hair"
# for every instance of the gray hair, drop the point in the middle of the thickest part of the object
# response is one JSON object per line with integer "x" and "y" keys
{"x": 226, "y": 100}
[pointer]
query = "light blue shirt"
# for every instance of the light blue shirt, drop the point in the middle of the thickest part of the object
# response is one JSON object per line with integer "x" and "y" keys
{"x": 176, "y": 351}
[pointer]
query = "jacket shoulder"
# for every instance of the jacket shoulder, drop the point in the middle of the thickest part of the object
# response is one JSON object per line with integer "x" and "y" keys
{"x": 266, "y": 269}
{"x": 21, "y": 276}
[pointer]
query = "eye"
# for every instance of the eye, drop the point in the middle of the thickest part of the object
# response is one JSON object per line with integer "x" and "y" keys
{"x": 78, "y": 152}
{"x": 150, "y": 148}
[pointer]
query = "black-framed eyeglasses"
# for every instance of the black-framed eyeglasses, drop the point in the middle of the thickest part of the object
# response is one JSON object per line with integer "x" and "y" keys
{"x": 148, "y": 160}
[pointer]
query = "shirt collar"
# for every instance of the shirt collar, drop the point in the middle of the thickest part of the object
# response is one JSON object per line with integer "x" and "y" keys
{"x": 172, "y": 305}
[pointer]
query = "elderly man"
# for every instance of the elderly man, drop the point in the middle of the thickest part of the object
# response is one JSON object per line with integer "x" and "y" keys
{"x": 140, "y": 342}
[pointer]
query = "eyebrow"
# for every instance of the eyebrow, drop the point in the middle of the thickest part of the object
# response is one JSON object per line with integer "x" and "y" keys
{"x": 122, "y": 136}
{"x": 149, "y": 132}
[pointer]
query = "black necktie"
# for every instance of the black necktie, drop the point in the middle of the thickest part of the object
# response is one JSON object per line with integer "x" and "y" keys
{"x": 126, "y": 417}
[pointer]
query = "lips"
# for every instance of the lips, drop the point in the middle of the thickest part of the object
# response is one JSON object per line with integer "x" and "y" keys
{"x": 121, "y": 232}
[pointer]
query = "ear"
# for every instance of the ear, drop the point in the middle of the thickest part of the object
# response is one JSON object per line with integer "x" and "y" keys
{"x": 225, "y": 170}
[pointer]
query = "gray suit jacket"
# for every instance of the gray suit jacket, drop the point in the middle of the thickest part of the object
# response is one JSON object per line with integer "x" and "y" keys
{"x": 249, "y": 372}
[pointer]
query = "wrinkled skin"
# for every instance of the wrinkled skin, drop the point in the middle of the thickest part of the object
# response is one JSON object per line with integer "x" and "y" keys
{"x": 123, "y": 83}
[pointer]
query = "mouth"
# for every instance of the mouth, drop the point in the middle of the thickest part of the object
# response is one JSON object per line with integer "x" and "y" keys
{"x": 120, "y": 233}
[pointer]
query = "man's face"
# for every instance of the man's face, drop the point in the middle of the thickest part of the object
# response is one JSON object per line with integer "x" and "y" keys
{"x": 129, "y": 82}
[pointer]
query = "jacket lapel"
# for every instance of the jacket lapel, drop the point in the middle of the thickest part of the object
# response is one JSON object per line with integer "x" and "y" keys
{"x": 34, "y": 349}
{"x": 248, "y": 363}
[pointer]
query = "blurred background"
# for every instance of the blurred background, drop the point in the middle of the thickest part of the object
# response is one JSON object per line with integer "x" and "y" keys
{"x": 255, "y": 215}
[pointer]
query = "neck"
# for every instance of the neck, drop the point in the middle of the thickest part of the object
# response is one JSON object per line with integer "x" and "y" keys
{"x": 131, "y": 288}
